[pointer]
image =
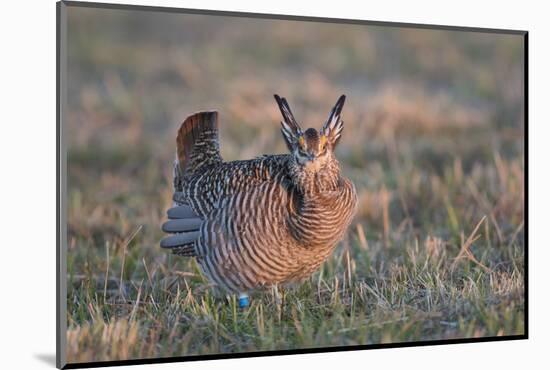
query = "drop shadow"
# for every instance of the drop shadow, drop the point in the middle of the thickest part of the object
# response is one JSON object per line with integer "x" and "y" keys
{"x": 47, "y": 358}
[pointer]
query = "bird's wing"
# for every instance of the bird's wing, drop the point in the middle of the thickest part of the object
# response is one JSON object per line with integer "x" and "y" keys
{"x": 183, "y": 225}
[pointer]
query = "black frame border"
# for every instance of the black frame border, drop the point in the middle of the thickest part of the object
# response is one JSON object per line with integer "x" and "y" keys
{"x": 61, "y": 182}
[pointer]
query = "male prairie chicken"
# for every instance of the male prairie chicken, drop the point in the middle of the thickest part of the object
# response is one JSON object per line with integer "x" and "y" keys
{"x": 256, "y": 223}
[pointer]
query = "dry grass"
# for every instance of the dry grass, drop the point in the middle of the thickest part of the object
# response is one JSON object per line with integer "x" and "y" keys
{"x": 433, "y": 141}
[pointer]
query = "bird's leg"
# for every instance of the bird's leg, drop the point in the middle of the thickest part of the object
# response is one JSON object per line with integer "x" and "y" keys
{"x": 244, "y": 301}
{"x": 283, "y": 295}
{"x": 276, "y": 295}
{"x": 279, "y": 297}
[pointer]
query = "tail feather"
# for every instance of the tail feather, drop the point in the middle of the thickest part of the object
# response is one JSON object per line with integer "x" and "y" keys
{"x": 197, "y": 142}
{"x": 197, "y": 147}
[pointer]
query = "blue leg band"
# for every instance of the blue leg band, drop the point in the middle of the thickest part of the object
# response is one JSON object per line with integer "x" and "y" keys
{"x": 243, "y": 301}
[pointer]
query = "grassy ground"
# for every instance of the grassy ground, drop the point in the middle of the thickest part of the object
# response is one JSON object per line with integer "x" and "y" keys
{"x": 433, "y": 141}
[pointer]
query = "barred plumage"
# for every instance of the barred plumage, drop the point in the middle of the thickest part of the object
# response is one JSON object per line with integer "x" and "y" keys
{"x": 269, "y": 220}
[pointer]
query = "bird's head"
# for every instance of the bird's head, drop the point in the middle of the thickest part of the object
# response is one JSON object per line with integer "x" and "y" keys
{"x": 312, "y": 149}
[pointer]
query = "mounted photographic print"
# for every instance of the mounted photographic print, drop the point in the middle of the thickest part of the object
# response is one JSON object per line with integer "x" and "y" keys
{"x": 234, "y": 184}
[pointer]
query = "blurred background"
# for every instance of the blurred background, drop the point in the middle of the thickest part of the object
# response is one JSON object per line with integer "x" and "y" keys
{"x": 433, "y": 140}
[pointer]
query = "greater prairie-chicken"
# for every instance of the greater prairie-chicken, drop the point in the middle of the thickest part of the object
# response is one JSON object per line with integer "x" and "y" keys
{"x": 255, "y": 223}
